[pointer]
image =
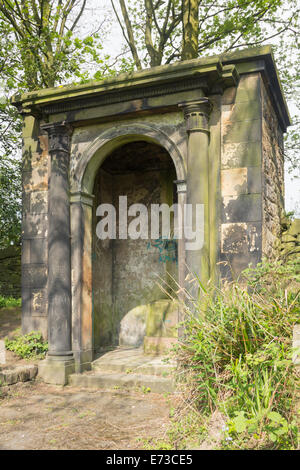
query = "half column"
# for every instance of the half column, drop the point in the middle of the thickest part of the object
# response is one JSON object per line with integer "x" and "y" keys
{"x": 60, "y": 362}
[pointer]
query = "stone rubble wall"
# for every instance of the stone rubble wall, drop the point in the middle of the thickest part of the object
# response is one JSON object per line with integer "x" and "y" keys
{"x": 272, "y": 177}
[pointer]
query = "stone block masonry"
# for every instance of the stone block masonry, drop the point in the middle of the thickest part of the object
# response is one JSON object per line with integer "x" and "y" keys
{"x": 241, "y": 174}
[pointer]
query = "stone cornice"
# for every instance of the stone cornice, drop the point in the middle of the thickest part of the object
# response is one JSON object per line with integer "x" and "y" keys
{"x": 212, "y": 74}
{"x": 125, "y": 95}
{"x": 261, "y": 59}
{"x": 159, "y": 81}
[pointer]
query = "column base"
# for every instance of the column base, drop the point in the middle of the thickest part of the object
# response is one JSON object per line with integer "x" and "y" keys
{"x": 55, "y": 370}
{"x": 83, "y": 360}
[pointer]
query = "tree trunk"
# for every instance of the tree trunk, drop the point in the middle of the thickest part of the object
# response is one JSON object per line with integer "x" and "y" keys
{"x": 190, "y": 29}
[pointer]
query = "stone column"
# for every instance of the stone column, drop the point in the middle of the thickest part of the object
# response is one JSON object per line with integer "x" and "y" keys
{"x": 196, "y": 115}
{"x": 60, "y": 362}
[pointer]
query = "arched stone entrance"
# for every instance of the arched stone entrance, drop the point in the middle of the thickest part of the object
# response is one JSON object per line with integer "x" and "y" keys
{"x": 127, "y": 272}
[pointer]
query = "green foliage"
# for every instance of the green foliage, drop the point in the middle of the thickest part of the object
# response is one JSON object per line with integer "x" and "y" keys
{"x": 43, "y": 37}
{"x": 155, "y": 35}
{"x": 237, "y": 357}
{"x": 28, "y": 346}
{"x": 10, "y": 188}
{"x": 9, "y": 302}
{"x": 39, "y": 48}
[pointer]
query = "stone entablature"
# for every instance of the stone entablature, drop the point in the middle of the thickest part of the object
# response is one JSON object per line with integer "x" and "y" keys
{"x": 209, "y": 116}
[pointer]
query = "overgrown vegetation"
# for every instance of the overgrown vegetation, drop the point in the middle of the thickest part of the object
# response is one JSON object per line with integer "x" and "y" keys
{"x": 30, "y": 346}
{"x": 236, "y": 360}
{"x": 9, "y": 302}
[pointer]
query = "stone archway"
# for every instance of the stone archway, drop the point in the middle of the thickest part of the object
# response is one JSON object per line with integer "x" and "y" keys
{"x": 82, "y": 184}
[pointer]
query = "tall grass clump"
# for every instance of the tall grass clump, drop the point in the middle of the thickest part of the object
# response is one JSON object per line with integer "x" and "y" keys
{"x": 236, "y": 356}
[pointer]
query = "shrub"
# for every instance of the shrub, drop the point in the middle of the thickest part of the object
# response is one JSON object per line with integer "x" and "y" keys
{"x": 236, "y": 357}
{"x": 9, "y": 302}
{"x": 28, "y": 346}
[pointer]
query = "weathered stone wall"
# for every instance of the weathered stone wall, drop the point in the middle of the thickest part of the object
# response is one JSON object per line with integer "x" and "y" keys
{"x": 10, "y": 272}
{"x": 241, "y": 219}
{"x": 272, "y": 176}
{"x": 126, "y": 273}
{"x": 34, "y": 228}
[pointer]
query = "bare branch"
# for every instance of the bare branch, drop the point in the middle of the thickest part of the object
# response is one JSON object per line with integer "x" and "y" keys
{"x": 130, "y": 39}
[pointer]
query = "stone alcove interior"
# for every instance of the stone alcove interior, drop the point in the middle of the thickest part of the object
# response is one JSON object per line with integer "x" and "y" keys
{"x": 128, "y": 273}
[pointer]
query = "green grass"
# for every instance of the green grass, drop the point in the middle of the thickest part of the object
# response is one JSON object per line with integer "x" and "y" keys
{"x": 237, "y": 357}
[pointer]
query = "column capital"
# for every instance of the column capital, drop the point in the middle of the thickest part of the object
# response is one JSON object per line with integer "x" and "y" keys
{"x": 181, "y": 185}
{"x": 196, "y": 114}
{"x": 59, "y": 134}
{"x": 80, "y": 197}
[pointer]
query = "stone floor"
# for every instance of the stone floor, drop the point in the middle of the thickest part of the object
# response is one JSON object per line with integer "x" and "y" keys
{"x": 128, "y": 368}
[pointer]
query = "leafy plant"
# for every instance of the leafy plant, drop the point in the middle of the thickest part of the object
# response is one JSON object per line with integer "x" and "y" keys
{"x": 237, "y": 356}
{"x": 28, "y": 346}
{"x": 9, "y": 302}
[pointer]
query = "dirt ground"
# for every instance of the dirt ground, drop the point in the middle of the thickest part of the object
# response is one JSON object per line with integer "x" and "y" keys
{"x": 34, "y": 415}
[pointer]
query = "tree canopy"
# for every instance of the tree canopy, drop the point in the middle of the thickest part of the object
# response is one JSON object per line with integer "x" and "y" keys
{"x": 161, "y": 31}
{"x": 40, "y": 48}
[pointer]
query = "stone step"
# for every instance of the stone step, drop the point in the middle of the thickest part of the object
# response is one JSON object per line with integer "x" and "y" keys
{"x": 142, "y": 382}
{"x": 163, "y": 370}
{"x": 126, "y": 360}
{"x": 10, "y": 376}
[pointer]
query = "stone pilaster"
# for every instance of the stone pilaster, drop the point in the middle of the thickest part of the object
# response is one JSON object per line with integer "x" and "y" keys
{"x": 181, "y": 194}
{"x": 60, "y": 362}
{"x": 196, "y": 115}
{"x": 82, "y": 323}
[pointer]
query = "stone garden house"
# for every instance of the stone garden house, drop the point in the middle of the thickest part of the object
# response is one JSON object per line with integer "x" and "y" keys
{"x": 207, "y": 131}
